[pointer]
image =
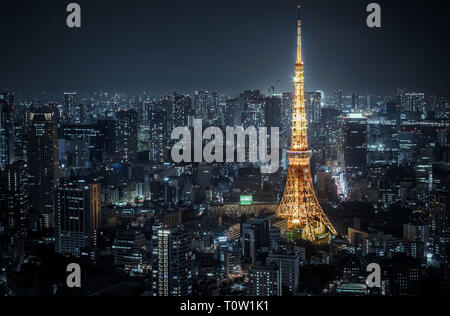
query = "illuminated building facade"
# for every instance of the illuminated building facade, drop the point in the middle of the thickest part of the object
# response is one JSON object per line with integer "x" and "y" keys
{"x": 266, "y": 281}
{"x": 126, "y": 133}
{"x": 70, "y": 110}
{"x": 77, "y": 218}
{"x": 355, "y": 134}
{"x": 289, "y": 265}
{"x": 6, "y": 108}
{"x": 43, "y": 163}
{"x": 129, "y": 251}
{"x": 171, "y": 261}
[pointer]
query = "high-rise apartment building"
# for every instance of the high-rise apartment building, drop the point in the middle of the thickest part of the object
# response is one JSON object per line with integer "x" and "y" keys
{"x": 71, "y": 108}
{"x": 201, "y": 101}
{"x": 439, "y": 204}
{"x": 171, "y": 261}
{"x": 127, "y": 133}
{"x": 77, "y": 217}
{"x": 355, "y": 102}
{"x": 158, "y": 141}
{"x": 289, "y": 266}
{"x": 337, "y": 102}
{"x": 43, "y": 163}
{"x": 6, "y": 129}
{"x": 17, "y": 207}
{"x": 181, "y": 108}
{"x": 313, "y": 101}
{"x": 355, "y": 134}
{"x": 266, "y": 281}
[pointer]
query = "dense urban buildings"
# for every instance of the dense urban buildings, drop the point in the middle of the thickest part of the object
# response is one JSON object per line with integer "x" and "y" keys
{"x": 95, "y": 192}
{"x": 363, "y": 179}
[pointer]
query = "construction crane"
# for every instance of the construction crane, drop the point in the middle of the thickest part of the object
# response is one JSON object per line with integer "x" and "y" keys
{"x": 272, "y": 87}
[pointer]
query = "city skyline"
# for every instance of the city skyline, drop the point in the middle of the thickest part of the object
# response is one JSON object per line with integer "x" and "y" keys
{"x": 105, "y": 194}
{"x": 175, "y": 46}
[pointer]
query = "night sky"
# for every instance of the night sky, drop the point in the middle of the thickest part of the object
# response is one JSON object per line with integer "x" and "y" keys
{"x": 162, "y": 46}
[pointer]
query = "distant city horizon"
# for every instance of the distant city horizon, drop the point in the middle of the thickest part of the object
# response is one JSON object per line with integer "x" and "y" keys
{"x": 327, "y": 95}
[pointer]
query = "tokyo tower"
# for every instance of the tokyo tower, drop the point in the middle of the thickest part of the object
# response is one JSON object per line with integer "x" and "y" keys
{"x": 299, "y": 204}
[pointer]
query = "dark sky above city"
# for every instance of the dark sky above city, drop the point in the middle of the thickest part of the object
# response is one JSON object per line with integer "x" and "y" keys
{"x": 162, "y": 46}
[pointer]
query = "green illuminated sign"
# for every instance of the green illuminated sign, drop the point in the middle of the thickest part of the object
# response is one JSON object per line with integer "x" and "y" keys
{"x": 246, "y": 200}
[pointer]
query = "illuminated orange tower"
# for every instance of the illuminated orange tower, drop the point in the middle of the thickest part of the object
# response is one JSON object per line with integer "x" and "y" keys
{"x": 299, "y": 204}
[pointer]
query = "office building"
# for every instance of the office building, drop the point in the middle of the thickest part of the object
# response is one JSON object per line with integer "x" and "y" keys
{"x": 43, "y": 163}
{"x": 289, "y": 266}
{"x": 355, "y": 134}
{"x": 127, "y": 134}
{"x": 77, "y": 218}
{"x": 129, "y": 251}
{"x": 6, "y": 129}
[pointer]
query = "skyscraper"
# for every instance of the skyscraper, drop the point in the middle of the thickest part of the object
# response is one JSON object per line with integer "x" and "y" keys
{"x": 43, "y": 163}
{"x": 77, "y": 217}
{"x": 355, "y": 102}
{"x": 272, "y": 110}
{"x": 108, "y": 128}
{"x": 252, "y": 104}
{"x": 127, "y": 133}
{"x": 440, "y": 228}
{"x": 214, "y": 111}
{"x": 158, "y": 141}
{"x": 181, "y": 108}
{"x": 17, "y": 204}
{"x": 70, "y": 107}
{"x": 6, "y": 129}
{"x": 413, "y": 102}
{"x": 233, "y": 115}
{"x": 171, "y": 261}
{"x": 299, "y": 204}
{"x": 201, "y": 104}
{"x": 289, "y": 265}
{"x": 355, "y": 134}
{"x": 313, "y": 102}
{"x": 337, "y": 102}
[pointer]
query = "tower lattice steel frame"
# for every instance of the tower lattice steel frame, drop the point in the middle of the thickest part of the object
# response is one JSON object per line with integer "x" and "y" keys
{"x": 299, "y": 204}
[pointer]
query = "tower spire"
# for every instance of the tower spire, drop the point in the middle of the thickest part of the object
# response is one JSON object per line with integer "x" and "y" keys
{"x": 299, "y": 37}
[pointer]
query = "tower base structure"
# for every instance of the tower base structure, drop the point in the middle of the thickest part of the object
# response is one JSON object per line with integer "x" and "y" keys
{"x": 300, "y": 205}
